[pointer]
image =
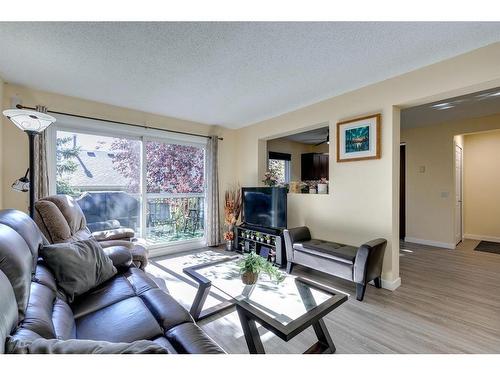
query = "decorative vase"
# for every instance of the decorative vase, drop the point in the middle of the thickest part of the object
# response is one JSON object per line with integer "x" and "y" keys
{"x": 229, "y": 245}
{"x": 294, "y": 187}
{"x": 249, "y": 278}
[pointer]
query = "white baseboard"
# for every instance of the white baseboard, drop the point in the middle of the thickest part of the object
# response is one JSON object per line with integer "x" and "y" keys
{"x": 391, "y": 285}
{"x": 420, "y": 241}
{"x": 481, "y": 237}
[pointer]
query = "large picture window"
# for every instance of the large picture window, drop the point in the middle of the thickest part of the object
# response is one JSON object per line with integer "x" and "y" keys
{"x": 154, "y": 186}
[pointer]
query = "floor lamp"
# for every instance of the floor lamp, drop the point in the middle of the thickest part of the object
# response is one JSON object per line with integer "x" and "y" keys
{"x": 32, "y": 123}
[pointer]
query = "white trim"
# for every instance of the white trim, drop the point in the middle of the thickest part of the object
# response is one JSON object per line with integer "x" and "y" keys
{"x": 176, "y": 247}
{"x": 445, "y": 245}
{"x": 391, "y": 284}
{"x": 481, "y": 237}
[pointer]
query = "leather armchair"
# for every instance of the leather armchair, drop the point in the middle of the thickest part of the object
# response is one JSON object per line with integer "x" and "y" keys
{"x": 357, "y": 264}
{"x": 36, "y": 316}
{"x": 61, "y": 219}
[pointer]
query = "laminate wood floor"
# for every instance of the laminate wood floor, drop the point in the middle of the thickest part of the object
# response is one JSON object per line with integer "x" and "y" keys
{"x": 448, "y": 302}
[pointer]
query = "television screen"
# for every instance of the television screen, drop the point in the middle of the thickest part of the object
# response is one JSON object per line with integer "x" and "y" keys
{"x": 264, "y": 206}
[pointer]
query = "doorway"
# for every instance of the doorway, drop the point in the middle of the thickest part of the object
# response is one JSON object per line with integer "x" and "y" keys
{"x": 458, "y": 194}
{"x": 402, "y": 191}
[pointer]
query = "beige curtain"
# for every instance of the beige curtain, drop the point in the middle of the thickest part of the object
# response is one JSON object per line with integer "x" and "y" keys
{"x": 213, "y": 219}
{"x": 41, "y": 182}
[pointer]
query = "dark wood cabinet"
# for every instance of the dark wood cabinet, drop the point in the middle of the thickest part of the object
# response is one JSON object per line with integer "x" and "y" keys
{"x": 314, "y": 166}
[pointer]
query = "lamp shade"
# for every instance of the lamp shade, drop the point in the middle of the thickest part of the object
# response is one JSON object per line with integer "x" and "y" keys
{"x": 28, "y": 120}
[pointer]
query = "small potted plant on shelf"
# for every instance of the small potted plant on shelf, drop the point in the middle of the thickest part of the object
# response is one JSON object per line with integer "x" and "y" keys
{"x": 270, "y": 178}
{"x": 232, "y": 209}
{"x": 252, "y": 264}
{"x": 267, "y": 238}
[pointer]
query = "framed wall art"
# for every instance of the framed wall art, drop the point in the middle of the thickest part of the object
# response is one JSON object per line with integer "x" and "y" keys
{"x": 359, "y": 139}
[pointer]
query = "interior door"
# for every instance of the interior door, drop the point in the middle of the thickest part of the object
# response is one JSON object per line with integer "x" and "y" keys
{"x": 458, "y": 194}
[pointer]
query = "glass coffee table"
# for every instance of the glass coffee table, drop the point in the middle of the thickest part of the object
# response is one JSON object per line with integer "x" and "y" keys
{"x": 286, "y": 309}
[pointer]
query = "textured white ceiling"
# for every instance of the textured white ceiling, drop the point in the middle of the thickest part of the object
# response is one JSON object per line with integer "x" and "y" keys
{"x": 231, "y": 74}
{"x": 310, "y": 137}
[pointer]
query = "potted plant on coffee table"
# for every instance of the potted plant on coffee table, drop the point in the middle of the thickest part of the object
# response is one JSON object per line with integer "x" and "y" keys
{"x": 252, "y": 265}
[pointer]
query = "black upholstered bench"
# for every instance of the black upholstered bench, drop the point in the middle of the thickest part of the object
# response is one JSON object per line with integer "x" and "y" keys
{"x": 357, "y": 264}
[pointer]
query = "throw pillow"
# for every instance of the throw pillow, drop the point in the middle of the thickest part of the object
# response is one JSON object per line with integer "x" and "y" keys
{"x": 78, "y": 266}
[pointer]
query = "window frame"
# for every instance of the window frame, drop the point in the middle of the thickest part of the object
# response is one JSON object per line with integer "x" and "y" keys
{"x": 286, "y": 157}
{"x": 94, "y": 127}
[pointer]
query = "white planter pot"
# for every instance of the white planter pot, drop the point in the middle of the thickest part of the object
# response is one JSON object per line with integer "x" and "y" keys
{"x": 322, "y": 188}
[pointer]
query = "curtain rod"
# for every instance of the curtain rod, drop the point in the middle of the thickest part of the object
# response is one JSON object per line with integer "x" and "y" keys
{"x": 19, "y": 106}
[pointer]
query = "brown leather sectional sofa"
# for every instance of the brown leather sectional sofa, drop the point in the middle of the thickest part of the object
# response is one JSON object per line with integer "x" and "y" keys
{"x": 127, "y": 308}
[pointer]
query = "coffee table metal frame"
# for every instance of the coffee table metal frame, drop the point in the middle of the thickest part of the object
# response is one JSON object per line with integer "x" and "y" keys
{"x": 250, "y": 315}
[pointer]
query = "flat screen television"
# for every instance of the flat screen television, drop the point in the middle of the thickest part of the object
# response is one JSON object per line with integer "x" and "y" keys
{"x": 264, "y": 206}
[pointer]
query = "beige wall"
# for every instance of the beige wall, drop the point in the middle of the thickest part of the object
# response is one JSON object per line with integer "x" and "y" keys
{"x": 482, "y": 185}
{"x": 363, "y": 203}
{"x": 15, "y": 144}
{"x": 430, "y": 195}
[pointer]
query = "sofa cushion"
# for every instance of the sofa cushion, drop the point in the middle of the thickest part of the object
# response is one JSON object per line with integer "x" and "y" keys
{"x": 125, "y": 321}
{"x": 189, "y": 338}
{"x": 114, "y": 234}
{"x": 8, "y": 310}
{"x": 26, "y": 228}
{"x": 131, "y": 283}
{"x": 16, "y": 262}
{"x": 44, "y": 346}
{"x": 78, "y": 266}
{"x": 332, "y": 250}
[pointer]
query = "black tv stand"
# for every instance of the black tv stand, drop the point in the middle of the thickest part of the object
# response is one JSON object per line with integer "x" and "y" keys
{"x": 260, "y": 239}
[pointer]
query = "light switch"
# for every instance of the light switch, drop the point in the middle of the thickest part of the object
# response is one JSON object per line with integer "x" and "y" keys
{"x": 445, "y": 194}
{"x": 421, "y": 169}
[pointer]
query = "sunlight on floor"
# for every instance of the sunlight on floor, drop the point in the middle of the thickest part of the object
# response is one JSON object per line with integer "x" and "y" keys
{"x": 180, "y": 285}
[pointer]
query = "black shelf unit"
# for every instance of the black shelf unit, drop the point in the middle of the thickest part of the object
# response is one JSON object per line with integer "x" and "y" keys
{"x": 245, "y": 244}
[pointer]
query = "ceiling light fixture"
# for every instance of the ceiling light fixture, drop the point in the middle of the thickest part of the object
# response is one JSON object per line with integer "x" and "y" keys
{"x": 440, "y": 105}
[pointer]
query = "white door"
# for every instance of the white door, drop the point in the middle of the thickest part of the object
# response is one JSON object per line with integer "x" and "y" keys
{"x": 458, "y": 194}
